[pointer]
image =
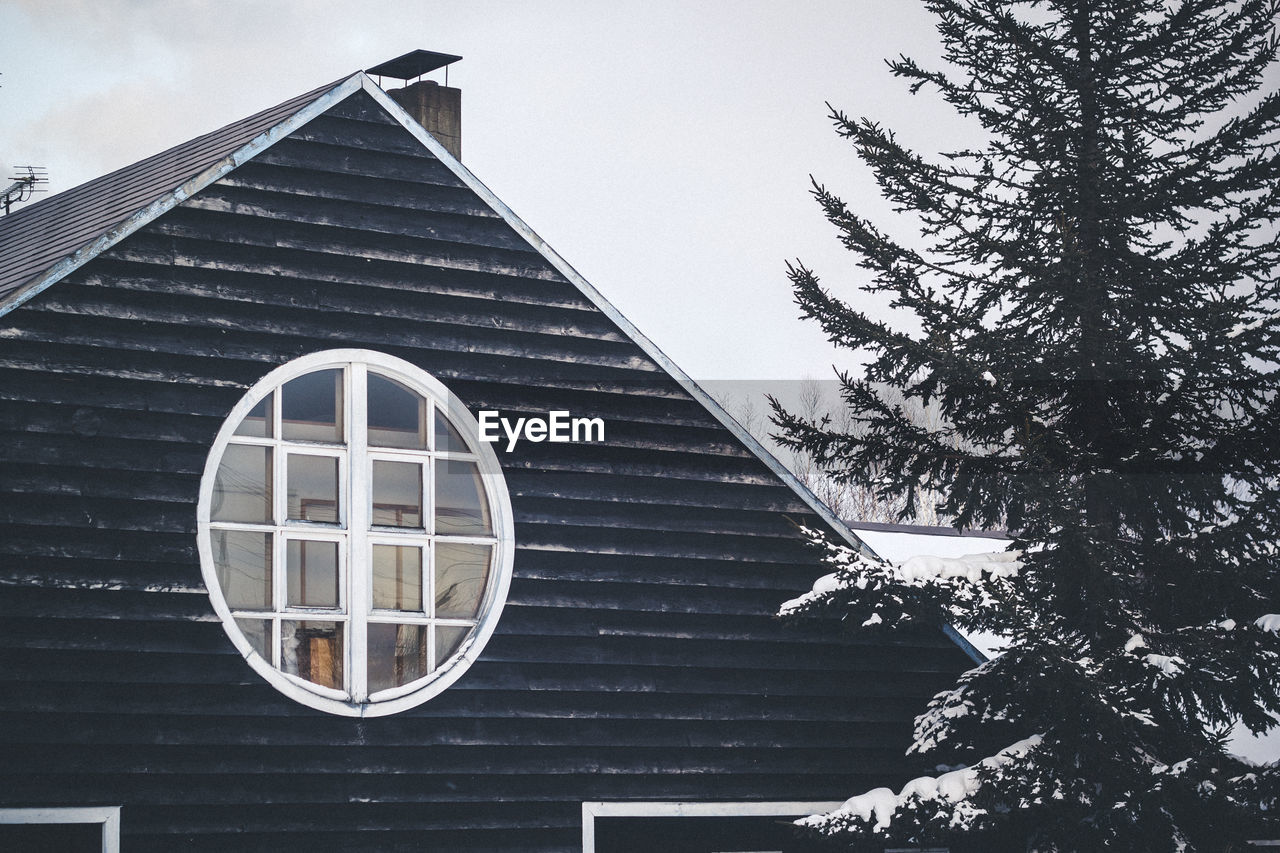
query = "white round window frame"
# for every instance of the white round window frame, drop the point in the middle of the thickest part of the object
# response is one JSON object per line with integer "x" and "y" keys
{"x": 415, "y": 693}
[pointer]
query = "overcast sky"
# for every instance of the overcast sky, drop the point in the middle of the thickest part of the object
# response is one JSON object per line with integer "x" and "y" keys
{"x": 663, "y": 148}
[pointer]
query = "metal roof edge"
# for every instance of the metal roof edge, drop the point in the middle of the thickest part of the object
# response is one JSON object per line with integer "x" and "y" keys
{"x": 974, "y": 653}
{"x": 925, "y": 530}
{"x": 628, "y": 328}
{"x": 182, "y": 192}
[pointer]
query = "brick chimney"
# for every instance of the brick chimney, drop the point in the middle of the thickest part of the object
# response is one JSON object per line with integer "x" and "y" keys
{"x": 437, "y": 108}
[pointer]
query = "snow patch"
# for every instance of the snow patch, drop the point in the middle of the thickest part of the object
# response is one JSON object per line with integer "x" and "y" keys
{"x": 998, "y": 564}
{"x": 916, "y": 570}
{"x": 1168, "y": 664}
{"x": 878, "y": 802}
{"x": 1270, "y": 622}
{"x": 1137, "y": 641}
{"x": 951, "y": 788}
{"x": 827, "y": 583}
{"x": 1240, "y": 328}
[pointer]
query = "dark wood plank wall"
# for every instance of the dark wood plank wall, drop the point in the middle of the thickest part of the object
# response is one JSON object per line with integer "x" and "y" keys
{"x": 637, "y": 657}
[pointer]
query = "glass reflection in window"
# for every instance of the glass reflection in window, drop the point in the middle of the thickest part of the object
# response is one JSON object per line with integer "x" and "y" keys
{"x": 397, "y": 494}
{"x": 447, "y": 437}
{"x": 258, "y": 633}
{"x": 461, "y": 573}
{"x": 397, "y": 416}
{"x": 258, "y": 422}
{"x": 312, "y": 650}
{"x": 448, "y": 641}
{"x": 313, "y": 573}
{"x": 311, "y": 407}
{"x": 242, "y": 487}
{"x": 243, "y": 559}
{"x": 397, "y": 577}
{"x": 397, "y": 655}
{"x": 460, "y": 505}
{"x": 313, "y": 488}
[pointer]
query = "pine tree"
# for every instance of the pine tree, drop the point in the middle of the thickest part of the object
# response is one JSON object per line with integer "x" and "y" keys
{"x": 1098, "y": 304}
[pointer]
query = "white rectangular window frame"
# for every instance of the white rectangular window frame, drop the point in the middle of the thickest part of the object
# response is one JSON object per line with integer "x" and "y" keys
{"x": 593, "y": 810}
{"x": 108, "y": 816}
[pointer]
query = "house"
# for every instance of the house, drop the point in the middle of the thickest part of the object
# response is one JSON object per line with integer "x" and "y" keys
{"x": 267, "y": 585}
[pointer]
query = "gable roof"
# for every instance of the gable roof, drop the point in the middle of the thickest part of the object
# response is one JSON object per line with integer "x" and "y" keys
{"x": 44, "y": 242}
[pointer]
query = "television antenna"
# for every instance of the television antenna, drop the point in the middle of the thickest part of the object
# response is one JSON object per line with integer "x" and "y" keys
{"x": 28, "y": 181}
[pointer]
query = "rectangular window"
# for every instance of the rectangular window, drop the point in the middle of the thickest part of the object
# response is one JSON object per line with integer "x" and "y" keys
{"x": 71, "y": 830}
{"x": 641, "y": 827}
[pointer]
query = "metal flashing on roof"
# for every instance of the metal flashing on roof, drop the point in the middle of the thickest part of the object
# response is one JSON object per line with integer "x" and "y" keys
{"x": 413, "y": 64}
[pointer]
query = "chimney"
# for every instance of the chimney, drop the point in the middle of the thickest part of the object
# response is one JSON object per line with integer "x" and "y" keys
{"x": 437, "y": 108}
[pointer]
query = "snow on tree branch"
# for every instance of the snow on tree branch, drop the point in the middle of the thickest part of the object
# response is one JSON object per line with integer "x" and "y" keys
{"x": 926, "y": 799}
{"x": 1109, "y": 257}
{"x": 1269, "y": 622}
{"x": 923, "y": 586}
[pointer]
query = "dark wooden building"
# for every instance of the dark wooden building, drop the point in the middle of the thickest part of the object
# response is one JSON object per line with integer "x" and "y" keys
{"x": 602, "y": 670}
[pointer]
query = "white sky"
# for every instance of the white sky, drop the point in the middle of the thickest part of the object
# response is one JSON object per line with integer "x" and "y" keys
{"x": 662, "y": 147}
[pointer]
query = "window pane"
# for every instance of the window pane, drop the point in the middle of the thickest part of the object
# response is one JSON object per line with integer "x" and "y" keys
{"x": 258, "y": 421}
{"x": 244, "y": 568}
{"x": 397, "y": 577}
{"x": 313, "y": 488}
{"x": 396, "y": 415}
{"x": 460, "y": 504}
{"x": 313, "y": 573}
{"x": 447, "y": 642}
{"x": 258, "y": 633}
{"x": 448, "y": 438}
{"x": 312, "y": 650}
{"x": 461, "y": 573}
{"x": 397, "y": 494}
{"x": 397, "y": 655}
{"x": 242, "y": 489}
{"x": 311, "y": 406}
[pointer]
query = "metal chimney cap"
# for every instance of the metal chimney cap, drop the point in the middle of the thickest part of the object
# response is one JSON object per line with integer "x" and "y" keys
{"x": 413, "y": 64}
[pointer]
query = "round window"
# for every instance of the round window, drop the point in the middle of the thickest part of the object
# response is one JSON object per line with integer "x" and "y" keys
{"x": 355, "y": 533}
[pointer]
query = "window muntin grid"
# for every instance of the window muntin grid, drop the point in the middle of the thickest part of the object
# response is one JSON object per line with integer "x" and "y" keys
{"x": 312, "y": 516}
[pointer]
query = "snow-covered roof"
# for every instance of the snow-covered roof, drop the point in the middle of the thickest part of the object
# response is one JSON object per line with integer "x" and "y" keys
{"x": 898, "y": 543}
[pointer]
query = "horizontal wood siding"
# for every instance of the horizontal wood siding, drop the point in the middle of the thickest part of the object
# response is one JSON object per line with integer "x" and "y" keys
{"x": 638, "y": 657}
